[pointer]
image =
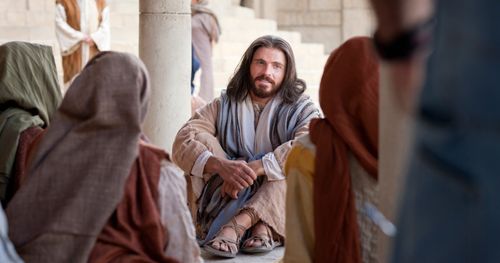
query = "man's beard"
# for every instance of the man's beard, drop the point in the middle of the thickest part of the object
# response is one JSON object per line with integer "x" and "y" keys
{"x": 262, "y": 93}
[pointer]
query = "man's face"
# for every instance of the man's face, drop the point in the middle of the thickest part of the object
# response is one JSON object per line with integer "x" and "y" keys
{"x": 267, "y": 70}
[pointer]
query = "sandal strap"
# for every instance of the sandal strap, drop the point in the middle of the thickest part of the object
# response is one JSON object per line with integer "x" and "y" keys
{"x": 238, "y": 229}
{"x": 270, "y": 234}
{"x": 254, "y": 219}
{"x": 266, "y": 238}
{"x": 225, "y": 240}
{"x": 266, "y": 241}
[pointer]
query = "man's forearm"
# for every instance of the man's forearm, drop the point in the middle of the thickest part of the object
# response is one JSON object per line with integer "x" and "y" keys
{"x": 212, "y": 165}
{"x": 258, "y": 167}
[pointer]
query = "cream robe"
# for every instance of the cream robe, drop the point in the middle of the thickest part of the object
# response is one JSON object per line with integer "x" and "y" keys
{"x": 69, "y": 39}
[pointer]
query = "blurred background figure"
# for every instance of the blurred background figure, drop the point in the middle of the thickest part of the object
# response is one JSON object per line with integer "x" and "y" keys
{"x": 205, "y": 30}
{"x": 450, "y": 209}
{"x": 196, "y": 101}
{"x": 195, "y": 66}
{"x": 332, "y": 172}
{"x": 82, "y": 30}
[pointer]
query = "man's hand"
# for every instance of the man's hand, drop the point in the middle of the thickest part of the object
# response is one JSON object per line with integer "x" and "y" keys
{"x": 229, "y": 190}
{"x": 237, "y": 174}
{"x": 232, "y": 191}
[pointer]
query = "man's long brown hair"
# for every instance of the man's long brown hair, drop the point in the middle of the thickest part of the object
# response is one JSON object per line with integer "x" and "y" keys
{"x": 241, "y": 82}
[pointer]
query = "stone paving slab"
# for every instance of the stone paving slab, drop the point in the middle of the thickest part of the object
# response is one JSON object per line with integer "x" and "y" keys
{"x": 271, "y": 257}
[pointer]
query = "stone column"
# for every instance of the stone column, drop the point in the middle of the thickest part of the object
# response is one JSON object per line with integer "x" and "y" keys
{"x": 165, "y": 48}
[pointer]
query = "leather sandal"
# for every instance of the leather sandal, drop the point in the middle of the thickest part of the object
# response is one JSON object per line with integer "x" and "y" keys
{"x": 266, "y": 240}
{"x": 254, "y": 219}
{"x": 232, "y": 245}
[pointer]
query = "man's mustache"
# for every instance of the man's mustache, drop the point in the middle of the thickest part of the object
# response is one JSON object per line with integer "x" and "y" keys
{"x": 263, "y": 77}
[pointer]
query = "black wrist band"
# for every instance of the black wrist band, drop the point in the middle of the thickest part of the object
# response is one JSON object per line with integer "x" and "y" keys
{"x": 406, "y": 43}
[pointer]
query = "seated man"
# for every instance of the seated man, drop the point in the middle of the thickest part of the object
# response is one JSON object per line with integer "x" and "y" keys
{"x": 94, "y": 190}
{"x": 338, "y": 160}
{"x": 234, "y": 149}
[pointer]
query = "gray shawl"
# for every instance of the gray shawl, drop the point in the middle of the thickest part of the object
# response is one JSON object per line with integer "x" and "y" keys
{"x": 277, "y": 124}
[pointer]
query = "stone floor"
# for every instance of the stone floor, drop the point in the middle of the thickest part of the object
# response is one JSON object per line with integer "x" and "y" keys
{"x": 271, "y": 257}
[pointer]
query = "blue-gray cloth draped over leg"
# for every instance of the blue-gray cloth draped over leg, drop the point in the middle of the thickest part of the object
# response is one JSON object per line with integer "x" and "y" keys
{"x": 214, "y": 211}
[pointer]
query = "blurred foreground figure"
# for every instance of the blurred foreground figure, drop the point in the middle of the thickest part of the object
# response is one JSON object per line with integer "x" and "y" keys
{"x": 450, "y": 209}
{"x": 29, "y": 96}
{"x": 95, "y": 191}
{"x": 332, "y": 172}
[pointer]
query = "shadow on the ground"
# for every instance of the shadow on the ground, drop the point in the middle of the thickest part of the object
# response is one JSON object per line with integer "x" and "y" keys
{"x": 271, "y": 257}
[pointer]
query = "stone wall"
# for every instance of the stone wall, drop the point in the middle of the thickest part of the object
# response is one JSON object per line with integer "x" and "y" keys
{"x": 124, "y": 25}
{"x": 31, "y": 21}
{"x": 27, "y": 20}
{"x": 329, "y": 22}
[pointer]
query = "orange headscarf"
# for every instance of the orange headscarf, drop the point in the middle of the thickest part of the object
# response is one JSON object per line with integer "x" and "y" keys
{"x": 349, "y": 99}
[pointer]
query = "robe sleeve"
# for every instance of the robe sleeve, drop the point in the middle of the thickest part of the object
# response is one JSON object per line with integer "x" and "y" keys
{"x": 102, "y": 37}
{"x": 187, "y": 145}
{"x": 272, "y": 167}
{"x": 68, "y": 38}
{"x": 175, "y": 215}
{"x": 200, "y": 163}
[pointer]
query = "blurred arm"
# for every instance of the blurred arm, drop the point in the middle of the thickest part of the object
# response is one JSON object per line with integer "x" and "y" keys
{"x": 394, "y": 16}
